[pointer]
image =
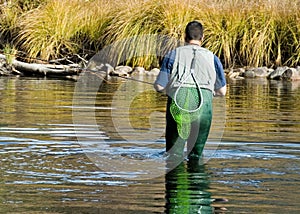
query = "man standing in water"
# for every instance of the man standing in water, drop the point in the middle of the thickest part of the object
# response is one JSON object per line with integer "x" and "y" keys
{"x": 190, "y": 75}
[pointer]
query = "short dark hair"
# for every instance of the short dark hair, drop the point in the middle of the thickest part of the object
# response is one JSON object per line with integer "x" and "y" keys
{"x": 193, "y": 31}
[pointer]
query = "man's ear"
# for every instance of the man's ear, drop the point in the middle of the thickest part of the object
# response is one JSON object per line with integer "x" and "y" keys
{"x": 186, "y": 39}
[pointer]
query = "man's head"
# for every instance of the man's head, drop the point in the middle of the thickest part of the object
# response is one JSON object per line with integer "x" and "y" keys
{"x": 193, "y": 31}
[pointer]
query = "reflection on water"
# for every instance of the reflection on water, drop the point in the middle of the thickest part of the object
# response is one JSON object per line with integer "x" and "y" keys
{"x": 187, "y": 190}
{"x": 44, "y": 169}
{"x": 262, "y": 110}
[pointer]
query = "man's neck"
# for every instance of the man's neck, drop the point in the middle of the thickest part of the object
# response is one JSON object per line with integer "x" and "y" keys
{"x": 195, "y": 42}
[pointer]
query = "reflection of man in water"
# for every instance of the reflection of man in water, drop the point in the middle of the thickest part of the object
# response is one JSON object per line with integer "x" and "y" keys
{"x": 187, "y": 190}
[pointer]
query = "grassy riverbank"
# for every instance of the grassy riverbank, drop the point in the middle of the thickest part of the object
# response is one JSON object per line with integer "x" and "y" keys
{"x": 241, "y": 32}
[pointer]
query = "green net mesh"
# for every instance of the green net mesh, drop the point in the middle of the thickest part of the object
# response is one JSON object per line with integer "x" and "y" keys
{"x": 185, "y": 108}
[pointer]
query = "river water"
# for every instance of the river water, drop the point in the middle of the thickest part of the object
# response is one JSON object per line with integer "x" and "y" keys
{"x": 65, "y": 148}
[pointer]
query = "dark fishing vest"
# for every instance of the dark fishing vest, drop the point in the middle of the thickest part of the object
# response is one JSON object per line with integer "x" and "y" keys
{"x": 204, "y": 69}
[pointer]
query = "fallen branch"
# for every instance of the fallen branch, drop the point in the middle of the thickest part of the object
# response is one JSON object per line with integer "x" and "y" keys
{"x": 44, "y": 69}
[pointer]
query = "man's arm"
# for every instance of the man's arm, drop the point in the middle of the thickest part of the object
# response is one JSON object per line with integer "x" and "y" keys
{"x": 165, "y": 71}
{"x": 220, "y": 85}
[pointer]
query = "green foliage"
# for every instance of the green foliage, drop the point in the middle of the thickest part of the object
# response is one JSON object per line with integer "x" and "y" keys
{"x": 10, "y": 53}
{"x": 241, "y": 32}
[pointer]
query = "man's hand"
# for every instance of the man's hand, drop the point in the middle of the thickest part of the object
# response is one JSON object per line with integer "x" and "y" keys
{"x": 159, "y": 88}
{"x": 221, "y": 91}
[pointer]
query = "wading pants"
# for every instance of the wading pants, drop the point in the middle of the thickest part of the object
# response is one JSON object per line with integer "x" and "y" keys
{"x": 199, "y": 130}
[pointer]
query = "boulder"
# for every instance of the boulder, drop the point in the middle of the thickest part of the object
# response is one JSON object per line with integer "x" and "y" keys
{"x": 291, "y": 74}
{"x": 139, "y": 70}
{"x": 124, "y": 68}
{"x": 257, "y": 72}
{"x": 122, "y": 71}
{"x": 106, "y": 68}
{"x": 277, "y": 73}
{"x": 153, "y": 72}
{"x": 249, "y": 74}
{"x": 235, "y": 73}
{"x": 261, "y": 72}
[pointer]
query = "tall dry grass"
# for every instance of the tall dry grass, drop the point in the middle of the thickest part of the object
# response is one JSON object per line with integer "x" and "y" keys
{"x": 61, "y": 27}
{"x": 240, "y": 32}
{"x": 10, "y": 12}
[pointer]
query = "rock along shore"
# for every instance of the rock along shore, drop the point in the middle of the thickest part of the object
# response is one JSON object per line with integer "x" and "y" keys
{"x": 280, "y": 73}
{"x": 72, "y": 71}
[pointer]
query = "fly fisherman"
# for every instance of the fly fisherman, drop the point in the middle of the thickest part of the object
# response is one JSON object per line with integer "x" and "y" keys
{"x": 190, "y": 75}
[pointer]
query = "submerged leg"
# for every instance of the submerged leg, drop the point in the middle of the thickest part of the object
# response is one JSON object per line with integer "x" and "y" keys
{"x": 174, "y": 143}
{"x": 200, "y": 128}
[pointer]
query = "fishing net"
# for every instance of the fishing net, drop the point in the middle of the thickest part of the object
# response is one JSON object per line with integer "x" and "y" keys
{"x": 186, "y": 108}
{"x": 187, "y": 101}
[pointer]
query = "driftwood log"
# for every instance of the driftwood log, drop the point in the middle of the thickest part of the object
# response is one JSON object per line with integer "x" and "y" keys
{"x": 44, "y": 69}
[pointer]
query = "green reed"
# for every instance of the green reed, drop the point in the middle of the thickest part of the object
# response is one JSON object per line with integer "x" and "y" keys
{"x": 240, "y": 32}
